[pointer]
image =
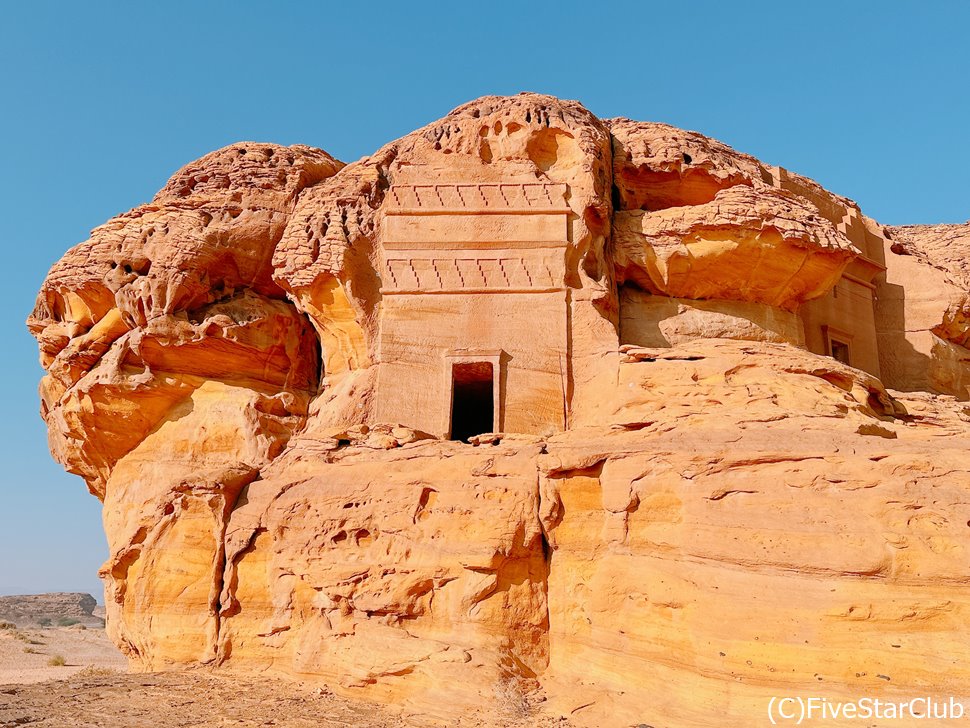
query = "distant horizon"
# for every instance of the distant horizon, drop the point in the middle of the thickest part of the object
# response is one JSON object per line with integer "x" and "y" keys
{"x": 106, "y": 104}
{"x": 13, "y": 592}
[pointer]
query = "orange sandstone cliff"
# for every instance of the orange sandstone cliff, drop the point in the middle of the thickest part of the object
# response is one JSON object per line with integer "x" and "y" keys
{"x": 526, "y": 406}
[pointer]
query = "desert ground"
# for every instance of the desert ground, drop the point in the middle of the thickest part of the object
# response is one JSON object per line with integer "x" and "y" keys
{"x": 26, "y": 654}
{"x": 93, "y": 689}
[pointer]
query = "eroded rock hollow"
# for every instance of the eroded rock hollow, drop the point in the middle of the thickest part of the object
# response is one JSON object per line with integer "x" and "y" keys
{"x": 526, "y": 403}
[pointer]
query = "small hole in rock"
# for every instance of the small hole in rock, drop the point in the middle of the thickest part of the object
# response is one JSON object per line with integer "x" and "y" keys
{"x": 687, "y": 158}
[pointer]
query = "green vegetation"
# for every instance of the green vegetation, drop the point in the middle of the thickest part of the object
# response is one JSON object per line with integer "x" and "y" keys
{"x": 67, "y": 622}
{"x": 44, "y": 622}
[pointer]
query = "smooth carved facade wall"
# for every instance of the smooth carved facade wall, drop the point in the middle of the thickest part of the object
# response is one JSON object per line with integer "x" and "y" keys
{"x": 845, "y": 315}
{"x": 468, "y": 270}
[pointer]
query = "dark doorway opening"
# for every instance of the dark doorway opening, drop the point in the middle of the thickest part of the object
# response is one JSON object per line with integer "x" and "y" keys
{"x": 472, "y": 399}
{"x": 840, "y": 351}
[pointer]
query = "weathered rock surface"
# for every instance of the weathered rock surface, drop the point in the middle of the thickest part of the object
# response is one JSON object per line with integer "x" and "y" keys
{"x": 930, "y": 282}
{"x": 945, "y": 247}
{"x": 527, "y": 402}
{"x": 765, "y": 247}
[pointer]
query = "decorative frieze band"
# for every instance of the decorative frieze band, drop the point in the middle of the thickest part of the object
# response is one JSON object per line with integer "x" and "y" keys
{"x": 465, "y": 238}
{"x": 441, "y": 275}
{"x": 476, "y": 199}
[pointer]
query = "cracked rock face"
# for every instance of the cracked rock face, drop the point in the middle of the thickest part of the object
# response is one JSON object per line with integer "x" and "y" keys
{"x": 676, "y": 506}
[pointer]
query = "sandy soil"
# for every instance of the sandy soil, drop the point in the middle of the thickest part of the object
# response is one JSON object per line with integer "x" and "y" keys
{"x": 211, "y": 699}
{"x": 94, "y": 690}
{"x": 191, "y": 699}
{"x": 24, "y": 653}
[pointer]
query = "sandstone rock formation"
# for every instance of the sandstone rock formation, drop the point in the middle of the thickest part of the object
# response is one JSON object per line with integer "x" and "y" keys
{"x": 30, "y": 609}
{"x": 525, "y": 402}
{"x": 929, "y": 284}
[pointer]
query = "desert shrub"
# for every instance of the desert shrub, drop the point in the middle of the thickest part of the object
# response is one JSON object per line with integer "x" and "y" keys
{"x": 510, "y": 701}
{"x": 67, "y": 622}
{"x": 44, "y": 622}
{"x": 57, "y": 661}
{"x": 31, "y": 651}
{"x": 92, "y": 671}
{"x": 7, "y": 625}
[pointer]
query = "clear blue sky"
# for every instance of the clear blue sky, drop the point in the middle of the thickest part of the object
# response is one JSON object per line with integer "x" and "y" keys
{"x": 101, "y": 102}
